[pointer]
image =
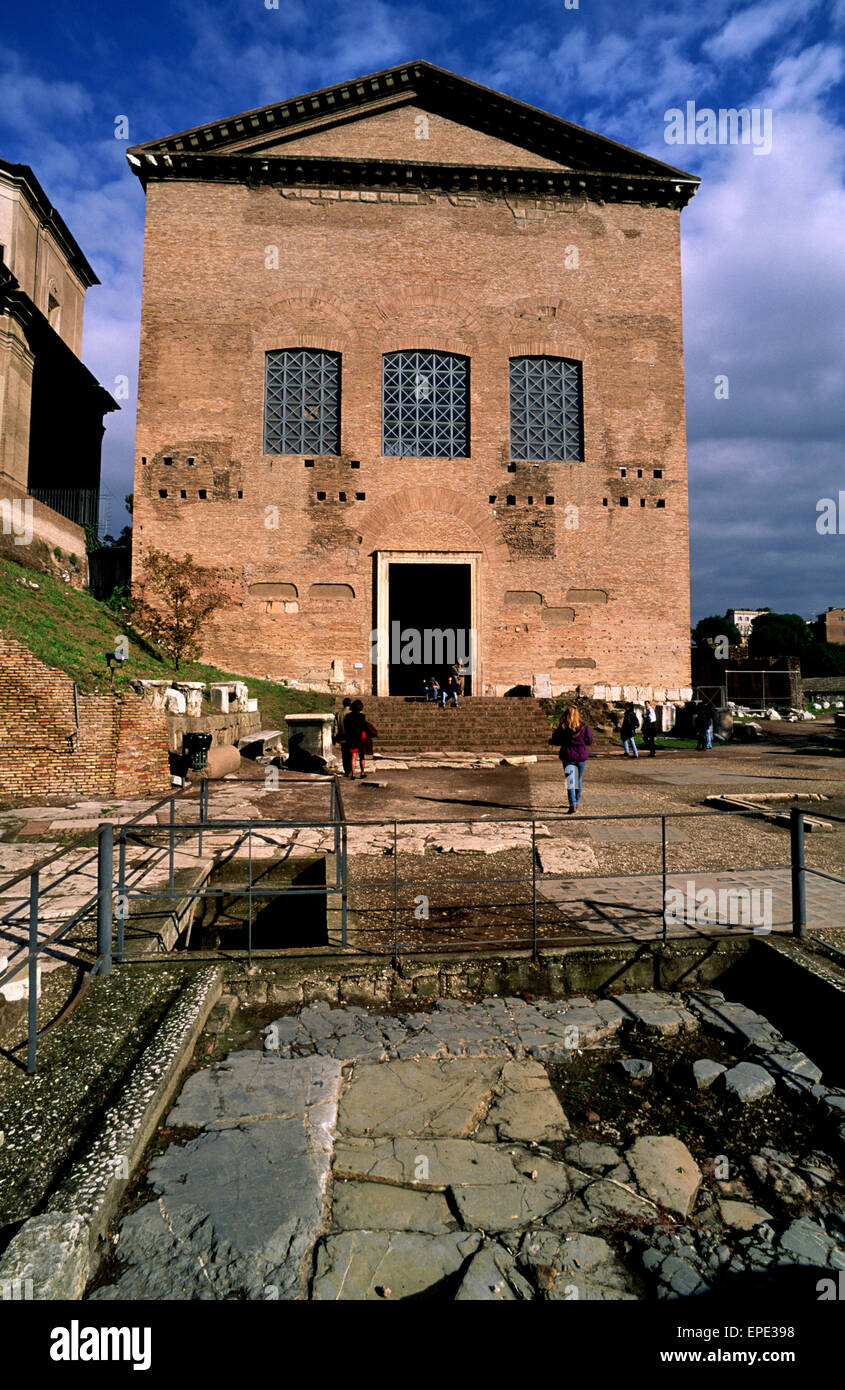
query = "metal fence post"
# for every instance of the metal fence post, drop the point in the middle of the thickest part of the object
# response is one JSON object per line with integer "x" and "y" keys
{"x": 663, "y": 872}
{"x": 105, "y": 871}
{"x": 395, "y": 896}
{"x": 799, "y": 877}
{"x": 203, "y": 813}
{"x": 32, "y": 1012}
{"x": 249, "y": 928}
{"x": 122, "y": 900}
{"x": 534, "y": 890}
{"x": 172, "y": 841}
{"x": 344, "y": 885}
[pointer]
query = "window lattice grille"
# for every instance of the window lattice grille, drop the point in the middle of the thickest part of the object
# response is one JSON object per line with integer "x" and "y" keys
{"x": 302, "y": 402}
{"x": 425, "y": 405}
{"x": 546, "y": 409}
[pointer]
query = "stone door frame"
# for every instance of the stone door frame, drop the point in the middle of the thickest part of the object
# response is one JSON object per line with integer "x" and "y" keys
{"x": 386, "y": 558}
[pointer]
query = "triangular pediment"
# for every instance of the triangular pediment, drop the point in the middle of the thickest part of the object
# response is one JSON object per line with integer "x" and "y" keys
{"x": 383, "y": 116}
{"x": 407, "y": 132}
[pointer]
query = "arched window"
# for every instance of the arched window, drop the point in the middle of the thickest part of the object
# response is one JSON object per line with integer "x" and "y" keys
{"x": 425, "y": 405}
{"x": 302, "y": 402}
{"x": 546, "y": 409}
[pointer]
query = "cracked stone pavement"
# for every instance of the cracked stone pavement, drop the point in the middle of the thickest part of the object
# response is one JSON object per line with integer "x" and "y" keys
{"x": 365, "y": 1156}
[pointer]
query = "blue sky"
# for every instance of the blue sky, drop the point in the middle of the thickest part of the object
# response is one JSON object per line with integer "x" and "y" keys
{"x": 763, "y": 240}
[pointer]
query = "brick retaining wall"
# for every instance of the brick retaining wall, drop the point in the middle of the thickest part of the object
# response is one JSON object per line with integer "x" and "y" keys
{"x": 119, "y": 748}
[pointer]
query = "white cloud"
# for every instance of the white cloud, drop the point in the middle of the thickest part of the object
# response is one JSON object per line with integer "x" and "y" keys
{"x": 30, "y": 101}
{"x": 747, "y": 31}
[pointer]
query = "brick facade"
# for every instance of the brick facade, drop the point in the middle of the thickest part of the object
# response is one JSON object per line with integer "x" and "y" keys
{"x": 119, "y": 749}
{"x": 571, "y": 580}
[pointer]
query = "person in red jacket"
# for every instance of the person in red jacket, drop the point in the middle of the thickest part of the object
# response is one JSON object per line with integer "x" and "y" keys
{"x": 359, "y": 735}
{"x": 573, "y": 737}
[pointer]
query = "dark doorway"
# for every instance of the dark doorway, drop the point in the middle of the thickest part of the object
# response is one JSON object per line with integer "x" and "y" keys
{"x": 429, "y": 616}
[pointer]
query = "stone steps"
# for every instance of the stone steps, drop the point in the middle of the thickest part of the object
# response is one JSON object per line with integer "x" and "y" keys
{"x": 480, "y": 724}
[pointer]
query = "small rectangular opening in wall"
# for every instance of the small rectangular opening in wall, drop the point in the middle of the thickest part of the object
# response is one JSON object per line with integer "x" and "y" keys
{"x": 511, "y": 467}
{"x": 511, "y": 501}
{"x": 356, "y": 463}
{"x": 623, "y": 501}
{"x": 492, "y": 498}
{"x": 604, "y": 501}
{"x": 167, "y": 462}
{"x": 309, "y": 463}
{"x": 550, "y": 501}
{"x": 531, "y": 501}
{"x": 182, "y": 493}
{"x": 658, "y": 473}
{"x": 162, "y": 492}
{"x": 360, "y": 497}
{"x": 661, "y": 502}
{"x": 642, "y": 501}
{"x": 202, "y": 494}
{"x": 341, "y": 496}
{"x": 190, "y": 463}
{"x": 321, "y": 497}
{"x": 639, "y": 472}
{"x": 240, "y": 494}
{"x": 143, "y": 460}
{"x": 623, "y": 472}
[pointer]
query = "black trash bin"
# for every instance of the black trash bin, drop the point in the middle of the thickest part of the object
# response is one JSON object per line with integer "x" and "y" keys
{"x": 195, "y": 748}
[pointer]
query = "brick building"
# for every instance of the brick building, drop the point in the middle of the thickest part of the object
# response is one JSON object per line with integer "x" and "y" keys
{"x": 830, "y": 625}
{"x": 411, "y": 362}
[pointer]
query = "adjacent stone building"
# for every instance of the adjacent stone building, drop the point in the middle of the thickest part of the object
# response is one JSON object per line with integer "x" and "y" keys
{"x": 51, "y": 407}
{"x": 411, "y": 363}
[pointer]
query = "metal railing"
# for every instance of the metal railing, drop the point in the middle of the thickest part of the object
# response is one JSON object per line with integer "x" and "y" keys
{"x": 111, "y": 946}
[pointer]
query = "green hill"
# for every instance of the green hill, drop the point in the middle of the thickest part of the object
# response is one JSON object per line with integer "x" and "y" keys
{"x": 68, "y": 629}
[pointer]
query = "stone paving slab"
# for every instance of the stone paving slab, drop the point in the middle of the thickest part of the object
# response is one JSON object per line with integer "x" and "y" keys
{"x": 428, "y": 1099}
{"x": 375, "y": 1206}
{"x": 631, "y": 905}
{"x": 240, "y": 1205}
{"x": 368, "y": 1265}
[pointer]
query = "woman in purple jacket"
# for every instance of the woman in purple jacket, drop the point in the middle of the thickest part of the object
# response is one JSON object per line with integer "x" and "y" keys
{"x": 573, "y": 738}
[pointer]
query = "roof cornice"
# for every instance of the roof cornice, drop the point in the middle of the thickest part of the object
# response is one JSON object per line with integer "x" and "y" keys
{"x": 21, "y": 176}
{"x": 457, "y": 97}
{"x": 610, "y": 186}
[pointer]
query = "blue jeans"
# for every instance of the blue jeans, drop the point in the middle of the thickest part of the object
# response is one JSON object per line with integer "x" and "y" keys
{"x": 574, "y": 776}
{"x": 450, "y": 695}
{"x": 630, "y": 746}
{"x": 708, "y": 737}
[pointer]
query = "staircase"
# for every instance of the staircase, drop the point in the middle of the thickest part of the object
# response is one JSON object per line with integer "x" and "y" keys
{"x": 480, "y": 724}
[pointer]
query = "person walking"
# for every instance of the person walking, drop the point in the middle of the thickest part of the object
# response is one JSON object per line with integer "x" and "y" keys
{"x": 339, "y": 734}
{"x": 649, "y": 727}
{"x": 704, "y": 726}
{"x": 359, "y": 736}
{"x": 630, "y": 725}
{"x": 573, "y": 738}
{"x": 434, "y": 687}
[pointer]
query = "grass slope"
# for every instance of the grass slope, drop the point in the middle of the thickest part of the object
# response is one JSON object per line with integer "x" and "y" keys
{"x": 68, "y": 629}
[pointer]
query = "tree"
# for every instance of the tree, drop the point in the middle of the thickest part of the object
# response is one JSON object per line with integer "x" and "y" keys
{"x": 716, "y": 627}
{"x": 824, "y": 659}
{"x": 780, "y": 634}
{"x": 177, "y": 598}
